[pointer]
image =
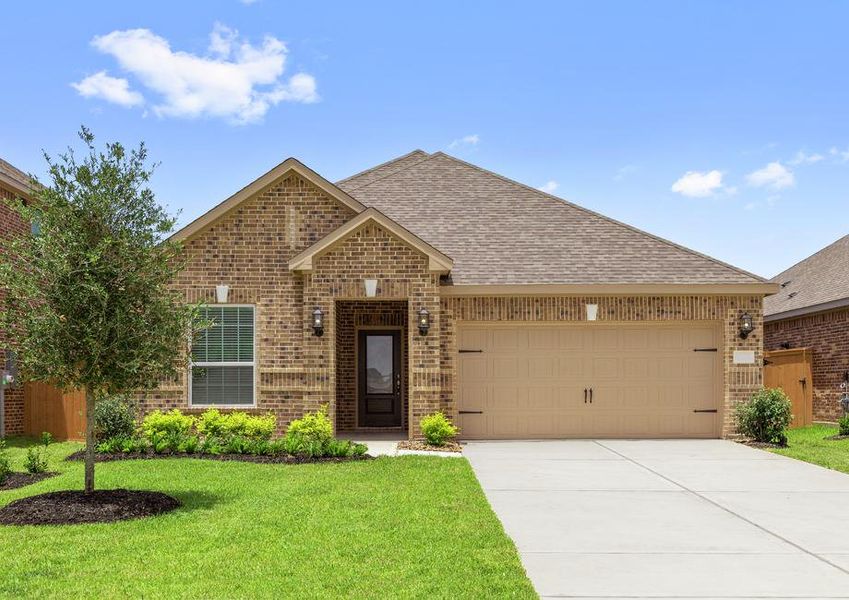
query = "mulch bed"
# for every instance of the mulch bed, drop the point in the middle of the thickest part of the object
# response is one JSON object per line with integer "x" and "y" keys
{"x": 72, "y": 507}
{"x": 419, "y": 445}
{"x": 276, "y": 459}
{"x": 755, "y": 444}
{"x": 838, "y": 437}
{"x": 19, "y": 480}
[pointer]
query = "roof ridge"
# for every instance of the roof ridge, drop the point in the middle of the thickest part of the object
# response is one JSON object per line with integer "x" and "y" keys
{"x": 384, "y": 164}
{"x": 806, "y": 259}
{"x": 594, "y": 213}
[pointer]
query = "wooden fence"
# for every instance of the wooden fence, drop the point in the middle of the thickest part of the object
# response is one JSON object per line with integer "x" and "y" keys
{"x": 48, "y": 409}
{"x": 790, "y": 370}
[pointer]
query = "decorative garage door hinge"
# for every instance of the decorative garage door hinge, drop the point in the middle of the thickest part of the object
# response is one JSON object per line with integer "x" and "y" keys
{"x": 470, "y": 412}
{"x": 704, "y": 410}
{"x": 469, "y": 351}
{"x": 705, "y": 349}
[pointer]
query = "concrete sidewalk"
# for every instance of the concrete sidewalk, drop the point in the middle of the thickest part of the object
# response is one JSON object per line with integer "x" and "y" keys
{"x": 674, "y": 519}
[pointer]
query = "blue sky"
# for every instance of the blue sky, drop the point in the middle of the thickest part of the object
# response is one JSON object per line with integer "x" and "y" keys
{"x": 719, "y": 125}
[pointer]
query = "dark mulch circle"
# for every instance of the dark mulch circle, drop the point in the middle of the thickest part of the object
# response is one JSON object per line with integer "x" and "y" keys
{"x": 18, "y": 480}
{"x": 73, "y": 507}
{"x": 838, "y": 437}
{"x": 421, "y": 445}
{"x": 276, "y": 459}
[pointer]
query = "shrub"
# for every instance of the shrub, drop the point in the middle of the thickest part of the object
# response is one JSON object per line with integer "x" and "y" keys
{"x": 766, "y": 416}
{"x": 36, "y": 458}
{"x": 114, "y": 417}
{"x": 174, "y": 422}
{"x": 214, "y": 424}
{"x": 843, "y": 425}
{"x": 5, "y": 462}
{"x": 310, "y": 430}
{"x": 437, "y": 429}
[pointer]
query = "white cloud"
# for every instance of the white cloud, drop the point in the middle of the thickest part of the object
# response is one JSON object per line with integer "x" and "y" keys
{"x": 802, "y": 158}
{"x": 696, "y": 184}
{"x": 468, "y": 140}
{"x": 550, "y": 187}
{"x": 839, "y": 155}
{"x": 111, "y": 89}
{"x": 774, "y": 176}
{"x": 623, "y": 172}
{"x": 237, "y": 80}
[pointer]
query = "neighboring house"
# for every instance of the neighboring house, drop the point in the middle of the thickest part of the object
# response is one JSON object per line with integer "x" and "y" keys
{"x": 14, "y": 183}
{"x": 438, "y": 285}
{"x": 811, "y": 310}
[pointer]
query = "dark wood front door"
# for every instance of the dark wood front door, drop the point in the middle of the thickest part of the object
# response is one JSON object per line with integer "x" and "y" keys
{"x": 379, "y": 375}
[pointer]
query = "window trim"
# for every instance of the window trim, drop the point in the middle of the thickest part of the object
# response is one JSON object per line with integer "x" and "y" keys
{"x": 230, "y": 363}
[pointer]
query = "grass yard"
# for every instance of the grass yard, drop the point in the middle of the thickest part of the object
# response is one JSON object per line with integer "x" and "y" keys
{"x": 393, "y": 527}
{"x": 808, "y": 444}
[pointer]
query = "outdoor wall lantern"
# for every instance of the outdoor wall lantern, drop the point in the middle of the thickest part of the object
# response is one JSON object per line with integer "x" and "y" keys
{"x": 371, "y": 287}
{"x": 318, "y": 322}
{"x": 746, "y": 325}
{"x": 592, "y": 312}
{"x": 221, "y": 293}
{"x": 424, "y": 321}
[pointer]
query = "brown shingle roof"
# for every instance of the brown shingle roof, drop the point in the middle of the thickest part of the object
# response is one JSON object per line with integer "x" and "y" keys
{"x": 820, "y": 279}
{"x": 499, "y": 231}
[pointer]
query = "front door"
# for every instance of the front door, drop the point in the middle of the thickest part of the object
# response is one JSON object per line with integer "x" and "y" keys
{"x": 379, "y": 375}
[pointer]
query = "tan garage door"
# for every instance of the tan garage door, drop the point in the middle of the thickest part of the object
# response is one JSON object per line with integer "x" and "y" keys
{"x": 589, "y": 380}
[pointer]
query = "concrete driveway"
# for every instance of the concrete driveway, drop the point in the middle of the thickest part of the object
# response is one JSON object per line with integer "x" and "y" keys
{"x": 673, "y": 519}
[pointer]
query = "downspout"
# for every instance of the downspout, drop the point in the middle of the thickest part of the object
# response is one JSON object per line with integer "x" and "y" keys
{"x": 2, "y": 404}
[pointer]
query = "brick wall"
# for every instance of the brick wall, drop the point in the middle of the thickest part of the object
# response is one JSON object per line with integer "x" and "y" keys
{"x": 351, "y": 316}
{"x": 739, "y": 381}
{"x": 827, "y": 335}
{"x": 10, "y": 224}
{"x": 249, "y": 249}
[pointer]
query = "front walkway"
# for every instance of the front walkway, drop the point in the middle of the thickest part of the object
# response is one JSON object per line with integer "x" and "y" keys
{"x": 674, "y": 519}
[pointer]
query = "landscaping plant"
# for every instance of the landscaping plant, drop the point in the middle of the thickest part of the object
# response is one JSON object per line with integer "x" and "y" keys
{"x": 438, "y": 429}
{"x": 766, "y": 416}
{"x": 36, "y": 458}
{"x": 5, "y": 462}
{"x": 843, "y": 425}
{"x": 89, "y": 294}
{"x": 114, "y": 416}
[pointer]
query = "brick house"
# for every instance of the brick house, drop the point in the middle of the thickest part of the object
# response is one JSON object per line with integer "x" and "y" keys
{"x": 14, "y": 183}
{"x": 427, "y": 283}
{"x": 811, "y": 310}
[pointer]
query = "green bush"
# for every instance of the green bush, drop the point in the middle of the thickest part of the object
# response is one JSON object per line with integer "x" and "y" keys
{"x": 114, "y": 416}
{"x": 843, "y": 425}
{"x": 157, "y": 424}
{"x": 766, "y": 416}
{"x": 212, "y": 423}
{"x": 312, "y": 429}
{"x": 36, "y": 458}
{"x": 5, "y": 462}
{"x": 437, "y": 429}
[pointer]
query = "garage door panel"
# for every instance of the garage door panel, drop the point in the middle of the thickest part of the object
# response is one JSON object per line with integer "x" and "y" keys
{"x": 646, "y": 380}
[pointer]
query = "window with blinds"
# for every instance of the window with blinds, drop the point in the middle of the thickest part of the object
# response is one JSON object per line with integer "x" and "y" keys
{"x": 223, "y": 364}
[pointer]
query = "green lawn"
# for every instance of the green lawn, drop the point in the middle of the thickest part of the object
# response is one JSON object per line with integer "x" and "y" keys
{"x": 392, "y": 527}
{"x": 808, "y": 444}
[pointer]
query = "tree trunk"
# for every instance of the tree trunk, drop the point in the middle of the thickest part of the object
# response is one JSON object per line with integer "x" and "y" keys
{"x": 89, "y": 441}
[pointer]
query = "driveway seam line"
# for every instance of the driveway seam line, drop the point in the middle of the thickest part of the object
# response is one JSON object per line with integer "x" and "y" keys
{"x": 728, "y": 510}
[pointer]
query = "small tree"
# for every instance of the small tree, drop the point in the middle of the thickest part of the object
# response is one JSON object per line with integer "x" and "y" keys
{"x": 88, "y": 295}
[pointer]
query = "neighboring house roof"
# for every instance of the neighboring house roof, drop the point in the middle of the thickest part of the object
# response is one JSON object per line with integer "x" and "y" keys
{"x": 14, "y": 179}
{"x": 501, "y": 232}
{"x": 819, "y": 282}
{"x": 258, "y": 185}
{"x": 437, "y": 261}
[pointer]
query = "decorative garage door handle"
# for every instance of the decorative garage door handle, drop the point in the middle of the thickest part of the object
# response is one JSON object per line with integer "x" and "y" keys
{"x": 704, "y": 410}
{"x": 471, "y": 412}
{"x": 470, "y": 351}
{"x": 705, "y": 349}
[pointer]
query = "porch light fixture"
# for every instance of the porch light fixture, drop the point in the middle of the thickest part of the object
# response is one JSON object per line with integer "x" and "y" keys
{"x": 371, "y": 287}
{"x": 592, "y": 312}
{"x": 318, "y": 322}
{"x": 424, "y": 321}
{"x": 746, "y": 325}
{"x": 221, "y": 293}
